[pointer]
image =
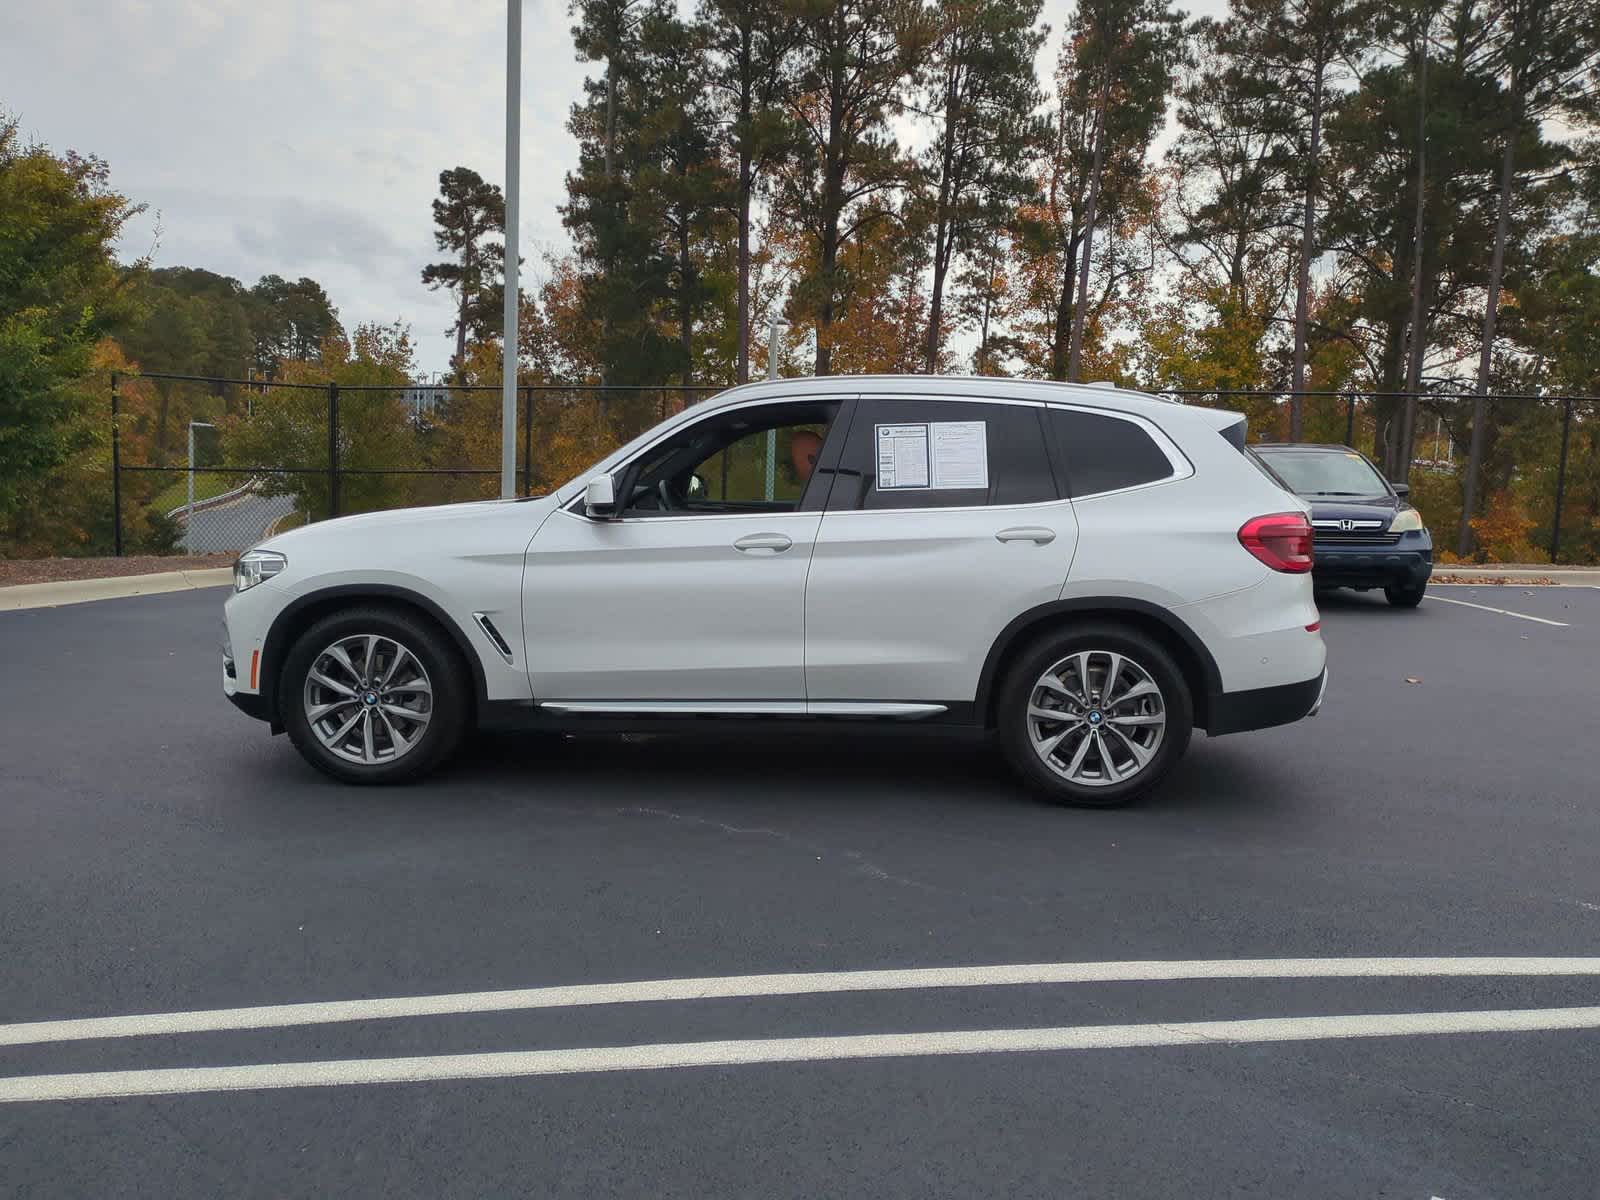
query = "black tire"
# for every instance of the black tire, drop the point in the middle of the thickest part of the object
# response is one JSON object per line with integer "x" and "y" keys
{"x": 450, "y": 703}
{"x": 1405, "y": 597}
{"x": 1017, "y": 691}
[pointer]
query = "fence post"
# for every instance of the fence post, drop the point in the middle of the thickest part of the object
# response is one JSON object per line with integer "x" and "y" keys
{"x": 333, "y": 449}
{"x": 1561, "y": 481}
{"x": 1350, "y": 420}
{"x": 527, "y": 441}
{"x": 116, "y": 470}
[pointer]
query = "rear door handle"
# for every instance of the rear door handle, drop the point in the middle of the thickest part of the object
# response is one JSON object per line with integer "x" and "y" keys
{"x": 763, "y": 543}
{"x": 1038, "y": 534}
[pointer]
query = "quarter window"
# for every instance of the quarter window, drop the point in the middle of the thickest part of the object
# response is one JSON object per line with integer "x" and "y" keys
{"x": 1101, "y": 453}
{"x": 942, "y": 454}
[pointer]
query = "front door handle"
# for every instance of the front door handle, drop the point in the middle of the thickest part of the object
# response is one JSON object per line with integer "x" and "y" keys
{"x": 1037, "y": 534}
{"x": 763, "y": 543}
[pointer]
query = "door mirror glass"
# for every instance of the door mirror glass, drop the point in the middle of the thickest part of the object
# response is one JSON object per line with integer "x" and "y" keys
{"x": 600, "y": 498}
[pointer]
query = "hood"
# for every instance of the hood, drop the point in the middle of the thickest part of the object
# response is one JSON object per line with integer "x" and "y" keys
{"x": 1354, "y": 508}
{"x": 400, "y": 523}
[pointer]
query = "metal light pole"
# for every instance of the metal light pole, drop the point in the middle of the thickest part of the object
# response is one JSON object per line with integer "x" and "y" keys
{"x": 774, "y": 330}
{"x": 193, "y": 425}
{"x": 508, "y": 358}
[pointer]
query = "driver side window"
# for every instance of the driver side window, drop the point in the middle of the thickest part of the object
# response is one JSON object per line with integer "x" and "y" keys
{"x": 751, "y": 460}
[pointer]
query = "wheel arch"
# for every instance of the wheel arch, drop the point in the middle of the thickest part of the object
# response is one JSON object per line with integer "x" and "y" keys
{"x": 1196, "y": 662}
{"x": 303, "y": 611}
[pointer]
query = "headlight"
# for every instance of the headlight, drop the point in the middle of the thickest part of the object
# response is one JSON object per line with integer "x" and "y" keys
{"x": 1407, "y": 520}
{"x": 254, "y": 566}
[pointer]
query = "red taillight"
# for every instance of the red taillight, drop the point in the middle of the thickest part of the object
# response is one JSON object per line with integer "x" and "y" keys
{"x": 1281, "y": 540}
{"x": 1313, "y": 627}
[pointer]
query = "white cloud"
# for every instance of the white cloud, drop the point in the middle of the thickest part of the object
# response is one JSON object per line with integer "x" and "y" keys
{"x": 299, "y": 136}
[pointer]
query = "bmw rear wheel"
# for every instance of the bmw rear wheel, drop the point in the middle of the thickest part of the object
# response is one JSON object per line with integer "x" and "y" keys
{"x": 373, "y": 696}
{"x": 1095, "y": 717}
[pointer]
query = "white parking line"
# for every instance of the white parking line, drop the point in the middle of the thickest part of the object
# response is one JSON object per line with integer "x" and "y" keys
{"x": 800, "y": 984}
{"x": 1504, "y": 612}
{"x": 592, "y": 1059}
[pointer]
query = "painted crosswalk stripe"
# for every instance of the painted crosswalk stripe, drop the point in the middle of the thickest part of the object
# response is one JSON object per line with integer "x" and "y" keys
{"x": 789, "y": 984}
{"x": 667, "y": 1056}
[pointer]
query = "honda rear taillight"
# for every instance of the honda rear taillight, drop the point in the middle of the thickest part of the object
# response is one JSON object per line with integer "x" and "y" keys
{"x": 1281, "y": 540}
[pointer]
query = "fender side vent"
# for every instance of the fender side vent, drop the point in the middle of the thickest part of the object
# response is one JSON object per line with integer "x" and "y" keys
{"x": 493, "y": 634}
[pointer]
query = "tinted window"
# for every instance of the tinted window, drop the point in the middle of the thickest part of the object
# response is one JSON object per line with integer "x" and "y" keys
{"x": 901, "y": 452}
{"x": 1101, "y": 453}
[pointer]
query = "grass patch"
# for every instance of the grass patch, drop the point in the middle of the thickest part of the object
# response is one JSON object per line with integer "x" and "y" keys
{"x": 207, "y": 484}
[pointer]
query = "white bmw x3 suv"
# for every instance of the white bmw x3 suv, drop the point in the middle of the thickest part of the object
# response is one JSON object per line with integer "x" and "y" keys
{"x": 1090, "y": 573}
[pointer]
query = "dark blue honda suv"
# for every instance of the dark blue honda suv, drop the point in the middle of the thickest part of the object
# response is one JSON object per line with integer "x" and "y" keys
{"x": 1363, "y": 532}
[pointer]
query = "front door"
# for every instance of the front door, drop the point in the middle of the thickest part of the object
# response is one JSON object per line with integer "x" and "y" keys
{"x": 697, "y": 591}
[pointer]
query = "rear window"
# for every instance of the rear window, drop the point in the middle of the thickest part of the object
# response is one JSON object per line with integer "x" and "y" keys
{"x": 1104, "y": 453}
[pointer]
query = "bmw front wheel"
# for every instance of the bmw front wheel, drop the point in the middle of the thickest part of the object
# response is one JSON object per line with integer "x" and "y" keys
{"x": 373, "y": 695}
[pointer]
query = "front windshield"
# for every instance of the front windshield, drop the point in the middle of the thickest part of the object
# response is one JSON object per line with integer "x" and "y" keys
{"x": 1325, "y": 472}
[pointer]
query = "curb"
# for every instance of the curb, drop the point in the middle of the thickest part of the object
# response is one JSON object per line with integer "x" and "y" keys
{"x": 80, "y": 591}
{"x": 1512, "y": 576}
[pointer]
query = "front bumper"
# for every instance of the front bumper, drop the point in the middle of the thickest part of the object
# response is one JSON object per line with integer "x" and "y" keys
{"x": 1262, "y": 708}
{"x": 1371, "y": 566}
{"x": 251, "y": 704}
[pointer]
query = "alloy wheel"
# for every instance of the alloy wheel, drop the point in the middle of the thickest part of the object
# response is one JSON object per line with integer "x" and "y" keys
{"x": 1096, "y": 717}
{"x": 368, "y": 698}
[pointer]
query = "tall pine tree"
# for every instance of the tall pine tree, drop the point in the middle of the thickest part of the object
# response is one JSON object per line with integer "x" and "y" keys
{"x": 467, "y": 216}
{"x": 980, "y": 91}
{"x": 855, "y": 60}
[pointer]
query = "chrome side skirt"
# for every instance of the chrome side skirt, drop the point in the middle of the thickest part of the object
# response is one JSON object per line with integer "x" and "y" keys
{"x": 894, "y": 709}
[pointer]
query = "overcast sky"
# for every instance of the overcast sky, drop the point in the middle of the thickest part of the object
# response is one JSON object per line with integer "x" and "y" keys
{"x": 304, "y": 137}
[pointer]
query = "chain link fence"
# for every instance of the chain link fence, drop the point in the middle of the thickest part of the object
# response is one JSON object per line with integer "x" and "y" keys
{"x": 1538, "y": 485}
{"x": 202, "y": 465}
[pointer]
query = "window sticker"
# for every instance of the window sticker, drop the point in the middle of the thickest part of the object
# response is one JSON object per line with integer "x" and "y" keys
{"x": 960, "y": 455}
{"x": 902, "y": 456}
{"x": 950, "y": 455}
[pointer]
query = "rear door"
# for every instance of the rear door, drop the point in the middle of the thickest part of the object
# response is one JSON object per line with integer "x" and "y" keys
{"x": 944, "y": 522}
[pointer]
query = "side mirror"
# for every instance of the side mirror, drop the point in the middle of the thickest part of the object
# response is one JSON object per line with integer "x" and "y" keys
{"x": 1401, "y": 489}
{"x": 600, "y": 498}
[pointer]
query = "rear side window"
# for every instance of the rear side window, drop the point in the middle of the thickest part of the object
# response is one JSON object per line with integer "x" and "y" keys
{"x": 1102, "y": 453}
{"x": 909, "y": 453}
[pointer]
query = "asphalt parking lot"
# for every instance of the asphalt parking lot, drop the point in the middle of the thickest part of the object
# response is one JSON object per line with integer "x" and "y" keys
{"x": 159, "y": 853}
